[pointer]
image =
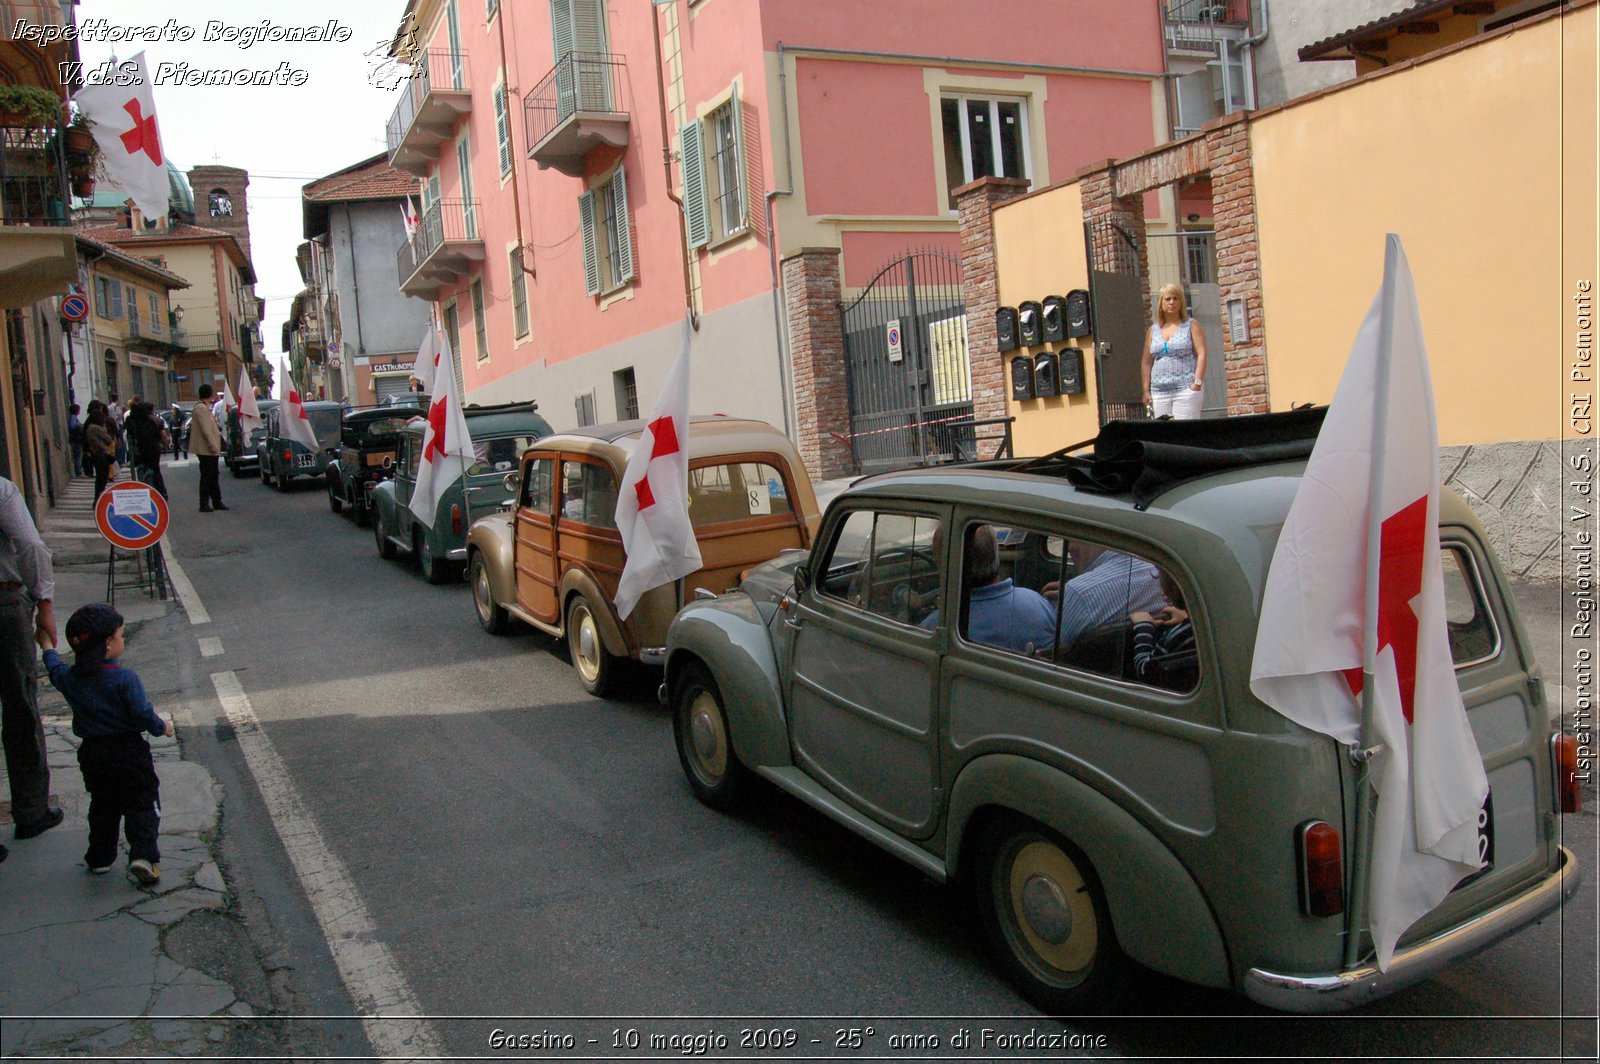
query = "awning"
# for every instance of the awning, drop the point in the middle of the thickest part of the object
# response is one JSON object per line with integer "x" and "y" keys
{"x": 36, "y": 262}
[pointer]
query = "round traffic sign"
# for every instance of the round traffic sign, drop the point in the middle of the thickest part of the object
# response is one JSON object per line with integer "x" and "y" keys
{"x": 74, "y": 308}
{"x": 131, "y": 516}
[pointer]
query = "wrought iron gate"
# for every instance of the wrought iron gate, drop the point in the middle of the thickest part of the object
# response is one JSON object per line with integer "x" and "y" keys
{"x": 905, "y": 340}
{"x": 1120, "y": 319}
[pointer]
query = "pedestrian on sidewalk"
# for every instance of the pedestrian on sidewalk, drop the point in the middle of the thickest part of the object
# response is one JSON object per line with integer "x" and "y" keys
{"x": 205, "y": 442}
{"x": 75, "y": 438}
{"x": 114, "y": 415}
{"x": 149, "y": 440}
{"x": 101, "y": 445}
{"x": 110, "y": 713}
{"x": 27, "y": 613}
{"x": 180, "y": 436}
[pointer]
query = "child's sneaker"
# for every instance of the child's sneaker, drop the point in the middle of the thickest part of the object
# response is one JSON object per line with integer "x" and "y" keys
{"x": 143, "y": 872}
{"x": 100, "y": 871}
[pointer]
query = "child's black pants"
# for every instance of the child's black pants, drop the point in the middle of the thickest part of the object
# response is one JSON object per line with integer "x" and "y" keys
{"x": 123, "y": 789}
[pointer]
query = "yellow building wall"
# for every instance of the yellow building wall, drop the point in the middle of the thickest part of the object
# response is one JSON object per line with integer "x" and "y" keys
{"x": 1039, "y": 252}
{"x": 1483, "y": 160}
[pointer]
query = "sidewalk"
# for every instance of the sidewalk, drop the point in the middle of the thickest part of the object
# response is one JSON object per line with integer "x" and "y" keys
{"x": 80, "y": 953}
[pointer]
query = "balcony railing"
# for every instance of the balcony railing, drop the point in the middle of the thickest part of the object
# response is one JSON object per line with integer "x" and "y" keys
{"x": 1197, "y": 23}
{"x": 33, "y": 177}
{"x": 434, "y": 98}
{"x": 444, "y": 250}
{"x": 575, "y": 109}
{"x": 207, "y": 341}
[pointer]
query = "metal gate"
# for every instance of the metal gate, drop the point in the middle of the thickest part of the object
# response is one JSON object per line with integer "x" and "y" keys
{"x": 1119, "y": 319}
{"x": 909, "y": 375}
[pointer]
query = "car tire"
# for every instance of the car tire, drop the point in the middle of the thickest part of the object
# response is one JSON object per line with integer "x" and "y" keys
{"x": 362, "y": 513}
{"x": 335, "y": 503}
{"x": 386, "y": 548}
{"x": 266, "y": 479}
{"x": 599, "y": 670}
{"x": 282, "y": 484}
{"x": 705, "y": 743}
{"x": 433, "y": 570}
{"x": 492, "y": 617}
{"x": 1045, "y": 916}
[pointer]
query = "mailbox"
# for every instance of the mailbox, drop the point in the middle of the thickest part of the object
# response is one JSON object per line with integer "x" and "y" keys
{"x": 1021, "y": 378}
{"x": 1046, "y": 375}
{"x": 1030, "y": 323}
{"x": 1005, "y": 328}
{"x": 1080, "y": 321}
{"x": 1071, "y": 371}
{"x": 1055, "y": 319}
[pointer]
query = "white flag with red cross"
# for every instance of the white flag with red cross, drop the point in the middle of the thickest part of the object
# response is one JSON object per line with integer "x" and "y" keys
{"x": 123, "y": 121}
{"x": 228, "y": 401}
{"x": 653, "y": 502}
{"x": 249, "y": 409}
{"x": 1310, "y": 650}
{"x": 293, "y": 424}
{"x": 446, "y": 442}
{"x": 426, "y": 366}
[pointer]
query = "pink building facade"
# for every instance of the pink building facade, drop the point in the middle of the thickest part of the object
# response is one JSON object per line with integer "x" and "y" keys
{"x": 596, "y": 171}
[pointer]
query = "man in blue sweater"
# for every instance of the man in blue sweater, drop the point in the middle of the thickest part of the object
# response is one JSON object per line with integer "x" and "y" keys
{"x": 110, "y": 713}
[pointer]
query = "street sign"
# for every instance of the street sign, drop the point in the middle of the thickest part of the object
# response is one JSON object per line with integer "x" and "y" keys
{"x": 74, "y": 308}
{"x": 335, "y": 362}
{"x": 896, "y": 352}
{"x": 131, "y": 516}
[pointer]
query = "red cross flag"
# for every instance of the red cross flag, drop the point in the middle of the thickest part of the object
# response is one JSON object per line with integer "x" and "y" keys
{"x": 228, "y": 401}
{"x": 426, "y": 366}
{"x": 1373, "y": 482}
{"x": 294, "y": 424}
{"x": 446, "y": 442}
{"x": 123, "y": 121}
{"x": 653, "y": 502}
{"x": 249, "y": 410}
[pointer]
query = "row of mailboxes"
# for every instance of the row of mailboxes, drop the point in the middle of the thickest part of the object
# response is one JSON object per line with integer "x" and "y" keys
{"x": 1047, "y": 374}
{"x": 1056, "y": 318}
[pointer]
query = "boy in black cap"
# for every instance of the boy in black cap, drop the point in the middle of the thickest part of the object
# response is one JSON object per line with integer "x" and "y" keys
{"x": 110, "y": 713}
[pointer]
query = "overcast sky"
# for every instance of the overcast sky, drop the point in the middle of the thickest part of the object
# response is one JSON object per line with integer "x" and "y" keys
{"x": 284, "y": 136}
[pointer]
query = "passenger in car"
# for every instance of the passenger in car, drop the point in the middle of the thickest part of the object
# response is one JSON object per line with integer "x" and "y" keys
{"x": 1109, "y": 586}
{"x": 1163, "y": 642}
{"x": 999, "y": 614}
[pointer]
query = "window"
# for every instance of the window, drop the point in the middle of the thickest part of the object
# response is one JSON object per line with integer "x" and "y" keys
{"x": 607, "y": 240}
{"x": 220, "y": 203}
{"x": 498, "y": 456}
{"x": 1473, "y": 636}
{"x": 736, "y": 491}
{"x": 469, "y": 206}
{"x": 519, "y": 293}
{"x": 108, "y": 298}
{"x": 479, "y": 326}
{"x": 714, "y": 196}
{"x": 887, "y": 564}
{"x": 627, "y": 394}
{"x": 491, "y": 8}
{"x": 588, "y": 494}
{"x": 538, "y": 484}
{"x": 132, "y": 296}
{"x": 983, "y": 138}
{"x": 155, "y": 315}
{"x": 502, "y": 128}
{"x": 452, "y": 332}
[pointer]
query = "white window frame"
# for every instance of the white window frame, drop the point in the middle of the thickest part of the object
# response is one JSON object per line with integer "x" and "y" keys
{"x": 993, "y": 100}
{"x": 604, "y": 220}
{"x": 711, "y": 215}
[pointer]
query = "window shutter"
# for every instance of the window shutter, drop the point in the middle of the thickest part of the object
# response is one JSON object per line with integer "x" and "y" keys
{"x": 738, "y": 158}
{"x": 695, "y": 220}
{"x": 561, "y": 27}
{"x": 619, "y": 197}
{"x": 502, "y": 128}
{"x": 591, "y": 259}
{"x": 588, "y": 26}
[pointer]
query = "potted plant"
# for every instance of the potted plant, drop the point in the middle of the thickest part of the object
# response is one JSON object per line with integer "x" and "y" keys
{"x": 79, "y": 140}
{"x": 83, "y": 187}
{"x": 29, "y": 107}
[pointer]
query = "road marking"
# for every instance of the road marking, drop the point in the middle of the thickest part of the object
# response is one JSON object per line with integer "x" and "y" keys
{"x": 186, "y": 592}
{"x": 210, "y": 646}
{"x": 382, "y": 997}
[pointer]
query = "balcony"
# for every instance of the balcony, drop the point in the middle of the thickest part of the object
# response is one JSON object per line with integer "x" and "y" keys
{"x": 1197, "y": 25}
{"x": 33, "y": 177}
{"x": 575, "y": 110}
{"x": 445, "y": 250}
{"x": 432, "y": 102}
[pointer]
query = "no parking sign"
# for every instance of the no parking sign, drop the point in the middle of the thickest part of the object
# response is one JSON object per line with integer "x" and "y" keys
{"x": 131, "y": 516}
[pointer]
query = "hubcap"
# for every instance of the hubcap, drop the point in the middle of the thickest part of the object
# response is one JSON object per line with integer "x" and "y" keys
{"x": 1054, "y": 912}
{"x": 586, "y": 643}
{"x": 706, "y": 735}
{"x": 480, "y": 591}
{"x": 1044, "y": 908}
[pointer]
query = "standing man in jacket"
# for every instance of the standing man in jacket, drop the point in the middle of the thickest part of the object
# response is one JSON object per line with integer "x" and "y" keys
{"x": 205, "y": 443}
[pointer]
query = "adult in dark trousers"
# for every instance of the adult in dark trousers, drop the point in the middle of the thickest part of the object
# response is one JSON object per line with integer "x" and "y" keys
{"x": 205, "y": 441}
{"x": 147, "y": 437}
{"x": 114, "y": 415}
{"x": 27, "y": 610}
{"x": 75, "y": 439}
{"x": 100, "y": 445}
{"x": 180, "y": 436}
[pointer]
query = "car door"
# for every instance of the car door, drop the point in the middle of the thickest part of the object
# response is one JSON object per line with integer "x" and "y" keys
{"x": 534, "y": 552}
{"x": 586, "y": 522}
{"x": 864, "y": 670}
{"x": 405, "y": 482}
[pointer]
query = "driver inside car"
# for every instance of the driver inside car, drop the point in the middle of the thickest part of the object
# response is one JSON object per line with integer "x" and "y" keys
{"x": 1000, "y": 614}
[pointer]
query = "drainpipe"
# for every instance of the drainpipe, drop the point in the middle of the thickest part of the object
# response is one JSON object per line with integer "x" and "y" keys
{"x": 666, "y": 165}
{"x": 516, "y": 191}
{"x": 778, "y": 323}
{"x": 1248, "y": 46}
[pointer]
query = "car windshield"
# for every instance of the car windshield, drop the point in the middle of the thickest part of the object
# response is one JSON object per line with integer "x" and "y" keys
{"x": 325, "y": 423}
{"x": 381, "y": 432}
{"x": 498, "y": 455}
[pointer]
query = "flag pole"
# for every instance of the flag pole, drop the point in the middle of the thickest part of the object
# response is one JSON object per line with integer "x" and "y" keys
{"x": 1362, "y": 754}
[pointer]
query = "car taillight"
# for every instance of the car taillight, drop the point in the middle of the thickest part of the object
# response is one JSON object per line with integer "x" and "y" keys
{"x": 455, "y": 519}
{"x": 1321, "y": 869}
{"x": 1564, "y": 751}
{"x": 287, "y": 455}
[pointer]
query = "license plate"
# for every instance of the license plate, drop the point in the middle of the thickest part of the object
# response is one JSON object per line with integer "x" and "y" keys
{"x": 302, "y": 461}
{"x": 1485, "y": 840}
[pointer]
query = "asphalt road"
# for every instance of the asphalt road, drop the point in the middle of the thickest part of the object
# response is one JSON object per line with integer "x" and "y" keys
{"x": 531, "y": 861}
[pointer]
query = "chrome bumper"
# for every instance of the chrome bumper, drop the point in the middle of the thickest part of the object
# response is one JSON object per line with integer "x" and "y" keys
{"x": 1347, "y": 990}
{"x": 457, "y": 555}
{"x": 653, "y": 655}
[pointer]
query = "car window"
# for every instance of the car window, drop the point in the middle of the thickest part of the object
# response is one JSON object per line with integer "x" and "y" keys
{"x": 1004, "y": 573}
{"x": 498, "y": 455}
{"x": 886, "y": 563}
{"x": 408, "y": 455}
{"x": 1473, "y": 636}
{"x": 736, "y": 491}
{"x": 588, "y": 493}
{"x": 325, "y": 425}
{"x": 371, "y": 433}
{"x": 537, "y": 484}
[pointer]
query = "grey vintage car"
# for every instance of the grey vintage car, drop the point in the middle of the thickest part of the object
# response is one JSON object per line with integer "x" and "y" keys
{"x": 1108, "y": 791}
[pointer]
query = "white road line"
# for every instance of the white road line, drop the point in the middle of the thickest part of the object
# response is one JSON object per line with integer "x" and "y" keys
{"x": 186, "y": 592}
{"x": 383, "y": 999}
{"x": 210, "y": 646}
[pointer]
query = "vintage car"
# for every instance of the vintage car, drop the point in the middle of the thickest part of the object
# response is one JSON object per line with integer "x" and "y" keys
{"x": 499, "y": 436}
{"x": 1104, "y": 801}
{"x": 369, "y": 447}
{"x": 554, "y": 559}
{"x": 241, "y": 451}
{"x": 282, "y": 459}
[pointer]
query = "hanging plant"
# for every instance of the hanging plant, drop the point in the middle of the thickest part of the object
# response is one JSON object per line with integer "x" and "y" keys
{"x": 29, "y": 107}
{"x": 79, "y": 141}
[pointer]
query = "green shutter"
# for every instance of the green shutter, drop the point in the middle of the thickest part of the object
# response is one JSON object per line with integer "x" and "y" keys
{"x": 588, "y": 26}
{"x": 591, "y": 259}
{"x": 502, "y": 128}
{"x": 738, "y": 156}
{"x": 561, "y": 27}
{"x": 619, "y": 199}
{"x": 695, "y": 220}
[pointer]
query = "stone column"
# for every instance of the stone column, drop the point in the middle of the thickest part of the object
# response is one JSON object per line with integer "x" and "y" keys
{"x": 811, "y": 288}
{"x": 1238, "y": 262}
{"x": 980, "y": 288}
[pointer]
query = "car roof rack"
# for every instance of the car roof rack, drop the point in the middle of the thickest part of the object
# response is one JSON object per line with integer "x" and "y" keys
{"x": 529, "y": 405}
{"x": 1146, "y": 457}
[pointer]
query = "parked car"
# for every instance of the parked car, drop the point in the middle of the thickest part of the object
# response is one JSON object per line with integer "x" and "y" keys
{"x": 1100, "y": 807}
{"x": 499, "y": 436}
{"x": 245, "y": 458}
{"x": 282, "y": 460}
{"x": 554, "y": 559}
{"x": 369, "y": 447}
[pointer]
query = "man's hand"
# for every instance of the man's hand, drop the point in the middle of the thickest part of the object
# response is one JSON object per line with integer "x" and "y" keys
{"x": 44, "y": 624}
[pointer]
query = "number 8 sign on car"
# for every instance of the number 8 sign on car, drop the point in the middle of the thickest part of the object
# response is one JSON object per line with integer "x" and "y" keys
{"x": 131, "y": 516}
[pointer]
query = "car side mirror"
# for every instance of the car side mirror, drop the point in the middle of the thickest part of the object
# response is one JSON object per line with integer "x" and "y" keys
{"x": 802, "y": 579}
{"x": 513, "y": 481}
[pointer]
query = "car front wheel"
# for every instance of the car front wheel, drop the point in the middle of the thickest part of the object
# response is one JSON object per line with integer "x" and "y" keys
{"x": 598, "y": 668}
{"x": 491, "y": 615}
{"x": 1045, "y": 916}
{"x": 385, "y": 545}
{"x": 434, "y": 570}
{"x": 705, "y": 745}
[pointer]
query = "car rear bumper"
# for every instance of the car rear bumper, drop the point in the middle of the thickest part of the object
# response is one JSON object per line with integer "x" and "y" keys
{"x": 1346, "y": 990}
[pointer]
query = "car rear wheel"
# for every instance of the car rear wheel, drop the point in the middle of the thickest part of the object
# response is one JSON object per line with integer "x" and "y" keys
{"x": 705, "y": 745}
{"x": 598, "y": 669}
{"x": 1045, "y": 916}
{"x": 491, "y": 615}
{"x": 385, "y": 544}
{"x": 335, "y": 503}
{"x": 283, "y": 482}
{"x": 266, "y": 479}
{"x": 361, "y": 512}
{"x": 434, "y": 570}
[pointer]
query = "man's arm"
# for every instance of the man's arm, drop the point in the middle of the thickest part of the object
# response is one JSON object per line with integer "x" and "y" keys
{"x": 33, "y": 557}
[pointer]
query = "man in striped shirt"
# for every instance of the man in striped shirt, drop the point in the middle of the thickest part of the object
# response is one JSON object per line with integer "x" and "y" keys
{"x": 1109, "y": 586}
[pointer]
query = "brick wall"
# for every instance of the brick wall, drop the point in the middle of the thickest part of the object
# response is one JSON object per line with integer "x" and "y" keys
{"x": 811, "y": 290}
{"x": 1238, "y": 261}
{"x": 980, "y": 289}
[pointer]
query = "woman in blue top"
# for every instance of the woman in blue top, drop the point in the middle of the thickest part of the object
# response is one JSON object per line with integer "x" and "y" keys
{"x": 1175, "y": 363}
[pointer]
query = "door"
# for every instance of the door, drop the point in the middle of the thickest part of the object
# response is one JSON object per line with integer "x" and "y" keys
{"x": 864, "y": 673}
{"x": 1116, "y": 291}
{"x": 586, "y": 522}
{"x": 534, "y": 552}
{"x": 405, "y": 483}
{"x": 458, "y": 61}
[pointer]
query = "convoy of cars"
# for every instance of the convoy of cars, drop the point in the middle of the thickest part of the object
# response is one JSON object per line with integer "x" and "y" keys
{"x": 369, "y": 448}
{"x": 242, "y": 454}
{"x": 281, "y": 459}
